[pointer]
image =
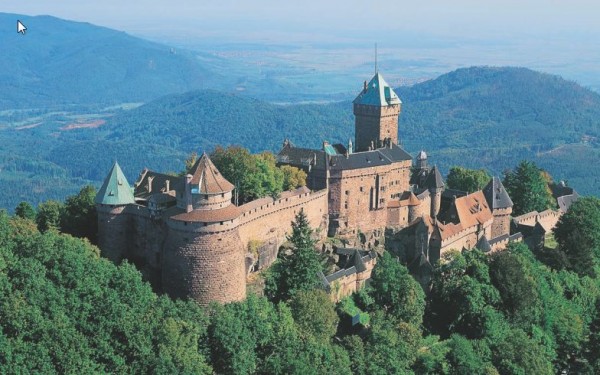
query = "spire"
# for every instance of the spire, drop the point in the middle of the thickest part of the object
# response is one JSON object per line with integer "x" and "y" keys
{"x": 377, "y": 93}
{"x": 115, "y": 189}
{"x": 376, "y": 67}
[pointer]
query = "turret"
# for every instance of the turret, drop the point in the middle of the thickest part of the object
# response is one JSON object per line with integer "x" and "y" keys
{"x": 501, "y": 205}
{"x": 435, "y": 185}
{"x": 204, "y": 256}
{"x": 422, "y": 160}
{"x": 376, "y": 111}
{"x": 113, "y": 223}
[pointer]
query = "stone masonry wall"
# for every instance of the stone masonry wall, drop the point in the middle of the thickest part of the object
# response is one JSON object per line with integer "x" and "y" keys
{"x": 501, "y": 224}
{"x": 204, "y": 266}
{"x": 373, "y": 124}
{"x": 273, "y": 218}
{"x": 358, "y": 198}
{"x": 113, "y": 231}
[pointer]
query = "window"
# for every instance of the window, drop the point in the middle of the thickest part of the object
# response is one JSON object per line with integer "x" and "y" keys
{"x": 361, "y": 188}
{"x": 347, "y": 192}
{"x": 221, "y": 223}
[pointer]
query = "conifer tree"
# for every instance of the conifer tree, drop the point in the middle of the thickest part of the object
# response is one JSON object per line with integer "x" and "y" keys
{"x": 298, "y": 271}
{"x": 528, "y": 188}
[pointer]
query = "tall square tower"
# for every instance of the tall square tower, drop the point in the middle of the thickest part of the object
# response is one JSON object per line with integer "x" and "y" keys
{"x": 376, "y": 111}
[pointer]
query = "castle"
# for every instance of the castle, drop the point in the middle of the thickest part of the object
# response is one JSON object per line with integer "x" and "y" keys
{"x": 191, "y": 241}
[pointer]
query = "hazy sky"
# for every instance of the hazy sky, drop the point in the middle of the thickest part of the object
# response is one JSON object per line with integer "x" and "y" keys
{"x": 487, "y": 18}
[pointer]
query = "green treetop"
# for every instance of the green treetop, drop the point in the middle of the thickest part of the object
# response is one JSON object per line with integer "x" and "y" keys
{"x": 469, "y": 180}
{"x": 298, "y": 270}
{"x": 528, "y": 188}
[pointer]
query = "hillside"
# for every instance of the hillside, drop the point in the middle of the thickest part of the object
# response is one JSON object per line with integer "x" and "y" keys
{"x": 61, "y": 62}
{"x": 475, "y": 117}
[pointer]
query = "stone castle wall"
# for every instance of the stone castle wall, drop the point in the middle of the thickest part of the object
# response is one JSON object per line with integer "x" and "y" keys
{"x": 266, "y": 219}
{"x": 501, "y": 224}
{"x": 547, "y": 218}
{"x": 358, "y": 198}
{"x": 202, "y": 265}
{"x": 113, "y": 231}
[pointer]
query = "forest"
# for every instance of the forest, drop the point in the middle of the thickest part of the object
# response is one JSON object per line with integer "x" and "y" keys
{"x": 64, "y": 309}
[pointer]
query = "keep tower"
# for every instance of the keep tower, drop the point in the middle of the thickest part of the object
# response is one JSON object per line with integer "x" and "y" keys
{"x": 376, "y": 111}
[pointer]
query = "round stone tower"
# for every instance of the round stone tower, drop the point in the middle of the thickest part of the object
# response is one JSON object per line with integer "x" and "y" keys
{"x": 203, "y": 256}
{"x": 114, "y": 224}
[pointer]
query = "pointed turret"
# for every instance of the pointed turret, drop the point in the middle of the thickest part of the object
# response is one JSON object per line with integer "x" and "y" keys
{"x": 376, "y": 110}
{"x": 206, "y": 188}
{"x": 206, "y": 178}
{"x": 501, "y": 205}
{"x": 115, "y": 190}
{"x": 496, "y": 195}
{"x": 435, "y": 184}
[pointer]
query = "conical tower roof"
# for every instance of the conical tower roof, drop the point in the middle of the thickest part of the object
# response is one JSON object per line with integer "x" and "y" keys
{"x": 434, "y": 179}
{"x": 115, "y": 190}
{"x": 377, "y": 93}
{"x": 496, "y": 195}
{"x": 208, "y": 178}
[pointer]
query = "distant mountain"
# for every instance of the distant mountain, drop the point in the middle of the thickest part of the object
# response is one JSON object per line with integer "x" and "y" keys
{"x": 477, "y": 117}
{"x": 62, "y": 62}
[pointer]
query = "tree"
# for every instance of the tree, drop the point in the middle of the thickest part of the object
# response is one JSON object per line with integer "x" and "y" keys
{"x": 469, "y": 180}
{"x": 255, "y": 176}
{"x": 396, "y": 291}
{"x": 298, "y": 270}
{"x": 391, "y": 346}
{"x": 511, "y": 274}
{"x": 292, "y": 177}
{"x": 518, "y": 354}
{"x": 190, "y": 161}
{"x": 578, "y": 235}
{"x": 468, "y": 356}
{"x": 315, "y": 314}
{"x": 528, "y": 188}
{"x": 79, "y": 217}
{"x": 25, "y": 210}
{"x": 48, "y": 215}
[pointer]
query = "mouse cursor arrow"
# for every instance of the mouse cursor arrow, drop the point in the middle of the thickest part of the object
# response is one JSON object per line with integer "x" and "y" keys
{"x": 21, "y": 28}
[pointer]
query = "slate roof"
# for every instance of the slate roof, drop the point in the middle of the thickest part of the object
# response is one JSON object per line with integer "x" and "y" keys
{"x": 301, "y": 157}
{"x": 366, "y": 159}
{"x": 304, "y": 157}
{"x": 157, "y": 182}
{"x": 483, "y": 244}
{"x": 496, "y": 194}
{"x": 208, "y": 178}
{"x": 377, "y": 93}
{"x": 434, "y": 179}
{"x": 115, "y": 189}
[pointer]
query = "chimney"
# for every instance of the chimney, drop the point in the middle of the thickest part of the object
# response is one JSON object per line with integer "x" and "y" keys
{"x": 188, "y": 193}
{"x": 150, "y": 178}
{"x": 365, "y": 86}
{"x": 349, "y": 146}
{"x": 167, "y": 186}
